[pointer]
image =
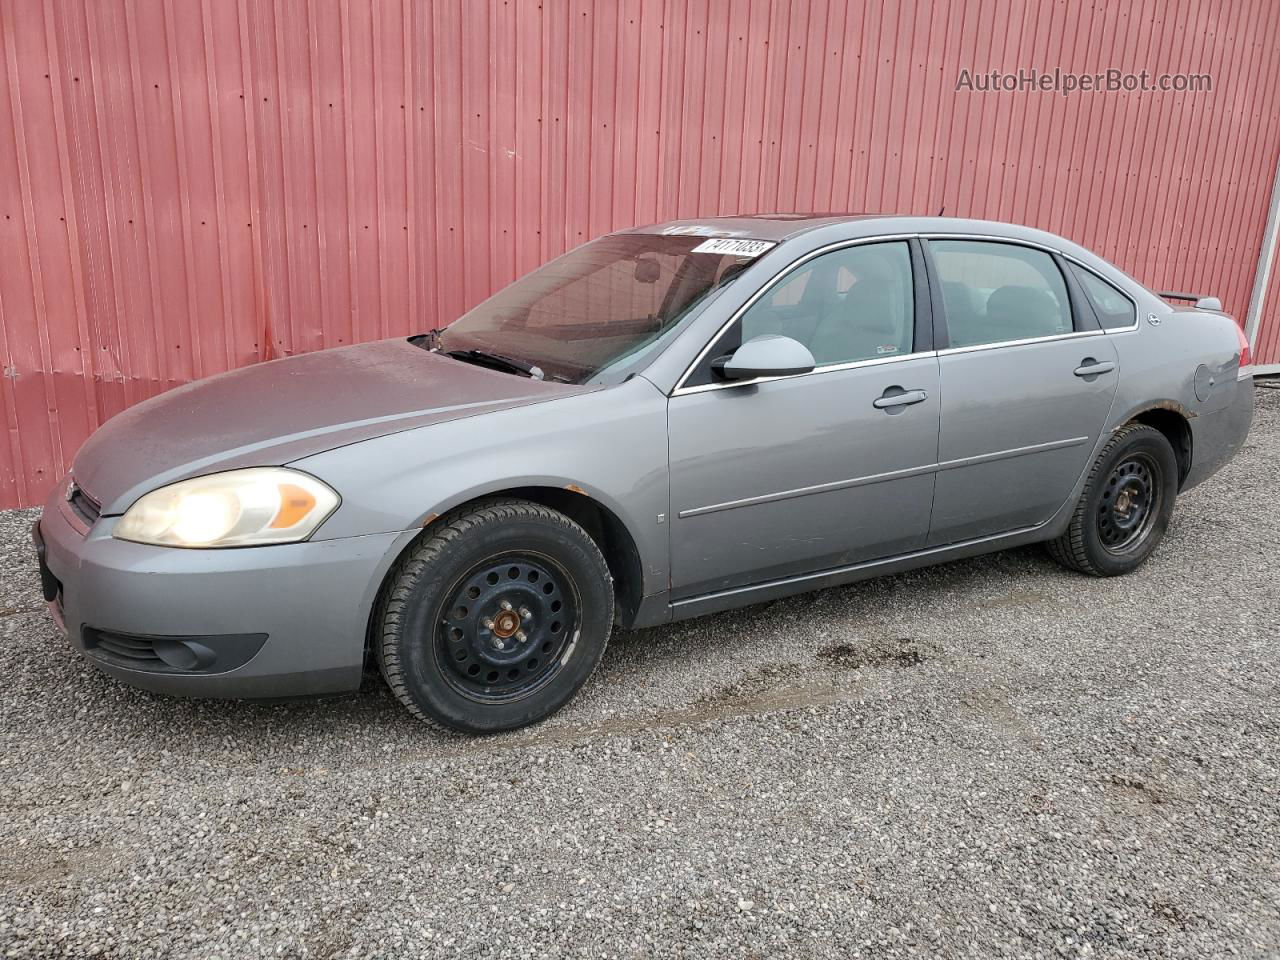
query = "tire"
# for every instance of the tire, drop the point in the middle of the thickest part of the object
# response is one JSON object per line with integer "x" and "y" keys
{"x": 450, "y": 650}
{"x": 1111, "y": 534}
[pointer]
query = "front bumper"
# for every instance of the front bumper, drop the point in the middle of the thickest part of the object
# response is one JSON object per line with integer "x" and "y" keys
{"x": 285, "y": 620}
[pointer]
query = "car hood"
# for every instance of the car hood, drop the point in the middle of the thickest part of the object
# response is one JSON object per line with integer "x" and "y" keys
{"x": 276, "y": 412}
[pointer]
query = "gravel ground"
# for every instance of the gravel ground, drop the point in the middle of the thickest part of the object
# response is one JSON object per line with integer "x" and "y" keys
{"x": 990, "y": 758}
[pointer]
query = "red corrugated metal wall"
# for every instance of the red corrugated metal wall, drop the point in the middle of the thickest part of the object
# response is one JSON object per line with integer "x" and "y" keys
{"x": 191, "y": 185}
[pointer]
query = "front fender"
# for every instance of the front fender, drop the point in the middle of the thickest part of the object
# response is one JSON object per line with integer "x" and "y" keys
{"x": 610, "y": 445}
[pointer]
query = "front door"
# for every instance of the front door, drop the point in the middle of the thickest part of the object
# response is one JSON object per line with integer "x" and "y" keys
{"x": 787, "y": 476}
{"x": 1025, "y": 390}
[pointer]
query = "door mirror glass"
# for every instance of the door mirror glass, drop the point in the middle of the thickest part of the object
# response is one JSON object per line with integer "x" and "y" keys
{"x": 770, "y": 355}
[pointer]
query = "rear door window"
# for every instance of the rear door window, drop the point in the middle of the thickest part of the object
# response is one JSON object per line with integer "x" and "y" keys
{"x": 994, "y": 292}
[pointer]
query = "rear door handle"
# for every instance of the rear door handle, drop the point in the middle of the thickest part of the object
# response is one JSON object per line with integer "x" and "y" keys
{"x": 1090, "y": 367}
{"x": 897, "y": 397}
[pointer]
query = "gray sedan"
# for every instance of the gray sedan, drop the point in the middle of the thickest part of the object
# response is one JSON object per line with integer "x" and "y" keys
{"x": 664, "y": 423}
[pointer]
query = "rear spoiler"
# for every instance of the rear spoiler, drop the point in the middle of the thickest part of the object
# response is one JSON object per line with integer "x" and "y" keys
{"x": 1201, "y": 302}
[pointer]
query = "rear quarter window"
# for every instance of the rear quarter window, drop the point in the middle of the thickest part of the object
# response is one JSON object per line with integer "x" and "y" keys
{"x": 1114, "y": 309}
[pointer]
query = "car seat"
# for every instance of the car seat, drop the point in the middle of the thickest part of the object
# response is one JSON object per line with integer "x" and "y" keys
{"x": 1016, "y": 312}
{"x": 863, "y": 323}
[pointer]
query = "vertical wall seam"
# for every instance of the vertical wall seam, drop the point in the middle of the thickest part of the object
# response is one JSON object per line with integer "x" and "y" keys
{"x": 262, "y": 293}
{"x": 71, "y": 231}
{"x": 163, "y": 369}
{"x": 348, "y": 144}
{"x": 34, "y": 253}
{"x": 125, "y": 363}
{"x": 379, "y": 164}
{"x": 288, "y": 222}
{"x": 318, "y": 183}
{"x": 411, "y": 164}
{"x": 219, "y": 183}
{"x": 13, "y": 418}
{"x": 184, "y": 179}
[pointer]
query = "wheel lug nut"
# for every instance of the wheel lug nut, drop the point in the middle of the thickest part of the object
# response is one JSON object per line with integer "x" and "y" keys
{"x": 521, "y": 636}
{"x": 506, "y": 604}
{"x": 488, "y": 624}
{"x": 524, "y": 613}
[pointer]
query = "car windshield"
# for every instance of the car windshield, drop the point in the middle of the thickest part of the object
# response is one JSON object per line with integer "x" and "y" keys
{"x": 602, "y": 308}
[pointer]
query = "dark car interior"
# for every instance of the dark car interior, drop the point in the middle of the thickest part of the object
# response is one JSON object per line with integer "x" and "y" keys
{"x": 1011, "y": 312}
{"x": 998, "y": 292}
{"x": 852, "y": 305}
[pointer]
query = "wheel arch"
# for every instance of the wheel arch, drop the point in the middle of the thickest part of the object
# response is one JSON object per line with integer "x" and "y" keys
{"x": 1174, "y": 421}
{"x": 610, "y": 533}
{"x": 607, "y": 529}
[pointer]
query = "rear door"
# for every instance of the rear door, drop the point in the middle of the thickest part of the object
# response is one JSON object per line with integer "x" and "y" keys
{"x": 1026, "y": 382}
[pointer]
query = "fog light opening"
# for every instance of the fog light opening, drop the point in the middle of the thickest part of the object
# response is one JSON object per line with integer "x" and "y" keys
{"x": 184, "y": 654}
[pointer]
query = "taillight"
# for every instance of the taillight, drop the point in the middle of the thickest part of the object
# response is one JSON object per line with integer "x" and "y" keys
{"x": 1246, "y": 358}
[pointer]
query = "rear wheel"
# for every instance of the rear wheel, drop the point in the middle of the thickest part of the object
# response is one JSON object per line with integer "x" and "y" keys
{"x": 1125, "y": 507}
{"x": 496, "y": 619}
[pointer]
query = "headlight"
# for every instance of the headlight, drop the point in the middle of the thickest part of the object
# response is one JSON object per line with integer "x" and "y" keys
{"x": 238, "y": 508}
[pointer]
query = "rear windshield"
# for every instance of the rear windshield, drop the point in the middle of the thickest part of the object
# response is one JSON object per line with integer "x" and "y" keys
{"x": 598, "y": 311}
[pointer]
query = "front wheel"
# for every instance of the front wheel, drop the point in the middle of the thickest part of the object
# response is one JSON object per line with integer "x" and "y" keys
{"x": 1125, "y": 507}
{"x": 495, "y": 619}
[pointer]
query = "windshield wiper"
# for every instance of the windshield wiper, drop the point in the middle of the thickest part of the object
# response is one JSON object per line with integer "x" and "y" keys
{"x": 484, "y": 358}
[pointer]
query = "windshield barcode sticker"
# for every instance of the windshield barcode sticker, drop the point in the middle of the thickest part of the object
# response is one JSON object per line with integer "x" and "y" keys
{"x": 733, "y": 247}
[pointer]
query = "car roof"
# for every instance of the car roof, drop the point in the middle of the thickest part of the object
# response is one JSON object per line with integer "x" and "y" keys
{"x": 757, "y": 226}
{"x": 778, "y": 227}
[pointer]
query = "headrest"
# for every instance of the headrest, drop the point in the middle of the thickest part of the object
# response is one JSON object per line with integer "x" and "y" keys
{"x": 1017, "y": 302}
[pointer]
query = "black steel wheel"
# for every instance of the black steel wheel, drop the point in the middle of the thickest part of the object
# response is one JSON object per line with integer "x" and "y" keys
{"x": 1130, "y": 504}
{"x": 495, "y": 618}
{"x": 1125, "y": 506}
{"x": 505, "y": 629}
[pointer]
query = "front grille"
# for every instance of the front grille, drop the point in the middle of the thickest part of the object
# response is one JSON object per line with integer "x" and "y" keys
{"x": 86, "y": 508}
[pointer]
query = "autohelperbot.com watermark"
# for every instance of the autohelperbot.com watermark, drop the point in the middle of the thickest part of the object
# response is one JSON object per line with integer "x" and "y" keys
{"x": 1066, "y": 82}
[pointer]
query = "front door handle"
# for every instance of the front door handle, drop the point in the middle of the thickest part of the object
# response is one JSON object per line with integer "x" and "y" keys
{"x": 895, "y": 398}
{"x": 1090, "y": 367}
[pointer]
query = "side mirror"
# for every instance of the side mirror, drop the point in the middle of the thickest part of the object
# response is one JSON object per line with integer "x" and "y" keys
{"x": 769, "y": 355}
{"x": 1209, "y": 303}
